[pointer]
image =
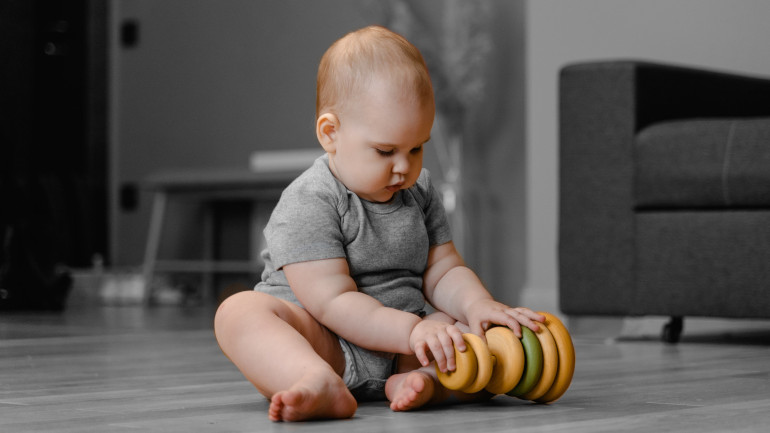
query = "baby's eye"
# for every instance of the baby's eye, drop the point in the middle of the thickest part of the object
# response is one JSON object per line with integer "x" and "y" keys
{"x": 416, "y": 150}
{"x": 384, "y": 152}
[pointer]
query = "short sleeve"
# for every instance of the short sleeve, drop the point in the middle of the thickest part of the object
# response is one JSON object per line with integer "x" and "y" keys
{"x": 305, "y": 225}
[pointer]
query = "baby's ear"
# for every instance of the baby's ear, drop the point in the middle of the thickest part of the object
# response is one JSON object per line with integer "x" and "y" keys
{"x": 326, "y": 128}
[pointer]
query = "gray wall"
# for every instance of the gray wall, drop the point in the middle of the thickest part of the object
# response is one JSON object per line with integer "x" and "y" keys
{"x": 730, "y": 35}
{"x": 213, "y": 80}
{"x": 209, "y": 83}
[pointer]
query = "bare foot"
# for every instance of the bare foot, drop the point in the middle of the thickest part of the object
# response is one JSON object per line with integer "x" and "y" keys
{"x": 408, "y": 391}
{"x": 313, "y": 397}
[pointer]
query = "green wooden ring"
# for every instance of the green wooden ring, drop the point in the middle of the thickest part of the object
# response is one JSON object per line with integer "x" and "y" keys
{"x": 533, "y": 368}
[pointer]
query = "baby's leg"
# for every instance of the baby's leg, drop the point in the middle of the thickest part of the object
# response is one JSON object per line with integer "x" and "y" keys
{"x": 289, "y": 357}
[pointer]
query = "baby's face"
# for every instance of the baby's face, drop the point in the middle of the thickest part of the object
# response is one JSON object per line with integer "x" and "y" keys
{"x": 379, "y": 144}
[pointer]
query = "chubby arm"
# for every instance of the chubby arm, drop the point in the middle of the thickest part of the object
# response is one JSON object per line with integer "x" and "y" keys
{"x": 330, "y": 295}
{"x": 453, "y": 288}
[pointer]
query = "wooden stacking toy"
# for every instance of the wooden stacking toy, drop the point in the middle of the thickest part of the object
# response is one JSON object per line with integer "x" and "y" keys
{"x": 537, "y": 367}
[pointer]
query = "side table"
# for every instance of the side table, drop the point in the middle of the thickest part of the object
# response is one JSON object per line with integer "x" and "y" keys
{"x": 208, "y": 186}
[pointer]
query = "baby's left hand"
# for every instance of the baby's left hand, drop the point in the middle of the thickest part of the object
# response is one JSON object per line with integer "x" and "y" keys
{"x": 487, "y": 312}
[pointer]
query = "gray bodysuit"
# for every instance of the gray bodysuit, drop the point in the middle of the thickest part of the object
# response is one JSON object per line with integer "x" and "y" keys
{"x": 385, "y": 244}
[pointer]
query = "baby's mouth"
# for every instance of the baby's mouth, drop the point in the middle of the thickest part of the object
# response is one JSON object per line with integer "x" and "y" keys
{"x": 394, "y": 188}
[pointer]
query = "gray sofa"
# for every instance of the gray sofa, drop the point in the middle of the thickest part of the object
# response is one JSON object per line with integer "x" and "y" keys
{"x": 664, "y": 192}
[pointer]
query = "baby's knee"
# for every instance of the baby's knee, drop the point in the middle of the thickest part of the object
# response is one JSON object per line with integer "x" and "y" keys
{"x": 231, "y": 303}
{"x": 242, "y": 305}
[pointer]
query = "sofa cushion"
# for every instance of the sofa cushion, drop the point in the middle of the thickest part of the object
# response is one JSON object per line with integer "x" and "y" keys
{"x": 704, "y": 163}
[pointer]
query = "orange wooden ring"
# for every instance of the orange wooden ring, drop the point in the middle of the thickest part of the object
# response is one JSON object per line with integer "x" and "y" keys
{"x": 566, "y": 359}
{"x": 465, "y": 370}
{"x": 509, "y": 360}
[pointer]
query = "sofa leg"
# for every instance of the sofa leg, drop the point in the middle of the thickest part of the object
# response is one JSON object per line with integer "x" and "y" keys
{"x": 673, "y": 330}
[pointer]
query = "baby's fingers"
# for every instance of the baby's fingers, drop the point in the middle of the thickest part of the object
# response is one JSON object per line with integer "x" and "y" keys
{"x": 443, "y": 352}
{"x": 457, "y": 338}
{"x": 444, "y": 349}
{"x": 453, "y": 340}
{"x": 523, "y": 316}
{"x": 529, "y": 318}
{"x": 421, "y": 354}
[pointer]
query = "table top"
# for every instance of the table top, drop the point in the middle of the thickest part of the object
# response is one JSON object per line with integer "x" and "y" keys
{"x": 201, "y": 180}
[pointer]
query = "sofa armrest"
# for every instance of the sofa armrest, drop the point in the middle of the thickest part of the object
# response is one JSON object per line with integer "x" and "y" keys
{"x": 596, "y": 245}
{"x": 602, "y": 107}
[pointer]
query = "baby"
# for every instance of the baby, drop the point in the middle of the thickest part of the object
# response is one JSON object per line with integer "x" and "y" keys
{"x": 355, "y": 247}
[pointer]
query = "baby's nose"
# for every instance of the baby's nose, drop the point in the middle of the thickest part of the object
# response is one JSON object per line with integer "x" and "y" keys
{"x": 401, "y": 166}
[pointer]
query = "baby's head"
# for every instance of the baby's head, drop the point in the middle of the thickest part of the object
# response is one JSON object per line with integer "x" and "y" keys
{"x": 350, "y": 65}
{"x": 375, "y": 112}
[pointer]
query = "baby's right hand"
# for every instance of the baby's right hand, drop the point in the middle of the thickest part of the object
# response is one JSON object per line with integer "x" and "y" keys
{"x": 438, "y": 338}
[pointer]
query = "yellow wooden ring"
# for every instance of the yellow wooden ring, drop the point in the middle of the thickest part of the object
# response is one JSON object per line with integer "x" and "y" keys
{"x": 484, "y": 363}
{"x": 550, "y": 364}
{"x": 509, "y": 360}
{"x": 566, "y": 359}
{"x": 465, "y": 371}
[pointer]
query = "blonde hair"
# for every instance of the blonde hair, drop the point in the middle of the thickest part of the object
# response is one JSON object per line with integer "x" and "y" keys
{"x": 353, "y": 61}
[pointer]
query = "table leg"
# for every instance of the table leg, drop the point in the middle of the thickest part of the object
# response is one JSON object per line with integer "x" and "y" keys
{"x": 153, "y": 242}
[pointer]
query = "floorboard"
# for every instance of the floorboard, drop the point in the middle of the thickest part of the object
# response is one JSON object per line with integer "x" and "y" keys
{"x": 123, "y": 369}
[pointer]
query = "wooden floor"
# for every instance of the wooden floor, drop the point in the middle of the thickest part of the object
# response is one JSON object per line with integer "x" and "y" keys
{"x": 130, "y": 369}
